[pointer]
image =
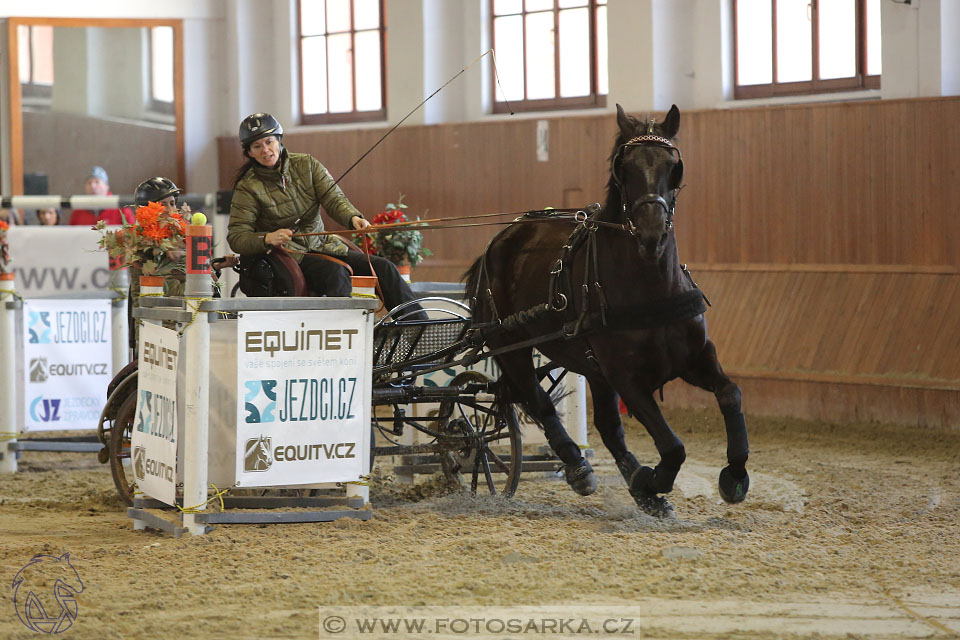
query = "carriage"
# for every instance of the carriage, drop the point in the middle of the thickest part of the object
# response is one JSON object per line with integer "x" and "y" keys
{"x": 469, "y": 428}
{"x": 603, "y": 295}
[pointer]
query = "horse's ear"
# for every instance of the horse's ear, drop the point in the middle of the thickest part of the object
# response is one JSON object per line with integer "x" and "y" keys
{"x": 627, "y": 127}
{"x": 671, "y": 124}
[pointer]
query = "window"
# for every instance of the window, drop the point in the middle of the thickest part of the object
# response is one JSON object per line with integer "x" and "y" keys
{"x": 789, "y": 47}
{"x": 550, "y": 54}
{"x": 161, "y": 69}
{"x": 341, "y": 61}
{"x": 36, "y": 60}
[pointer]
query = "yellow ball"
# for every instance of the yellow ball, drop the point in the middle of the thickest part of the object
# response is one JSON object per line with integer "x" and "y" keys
{"x": 198, "y": 218}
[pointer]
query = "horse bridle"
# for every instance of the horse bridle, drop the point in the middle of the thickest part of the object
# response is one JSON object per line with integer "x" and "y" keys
{"x": 647, "y": 139}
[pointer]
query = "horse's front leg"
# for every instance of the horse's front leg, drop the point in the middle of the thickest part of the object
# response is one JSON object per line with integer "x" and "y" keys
{"x": 646, "y": 483}
{"x": 707, "y": 374}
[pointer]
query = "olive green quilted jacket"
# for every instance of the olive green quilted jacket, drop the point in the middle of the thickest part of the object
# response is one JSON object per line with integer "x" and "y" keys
{"x": 289, "y": 197}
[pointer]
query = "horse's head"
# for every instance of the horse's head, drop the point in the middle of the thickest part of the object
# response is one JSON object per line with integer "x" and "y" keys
{"x": 646, "y": 172}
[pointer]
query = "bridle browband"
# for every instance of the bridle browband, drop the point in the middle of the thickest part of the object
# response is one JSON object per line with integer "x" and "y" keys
{"x": 647, "y": 139}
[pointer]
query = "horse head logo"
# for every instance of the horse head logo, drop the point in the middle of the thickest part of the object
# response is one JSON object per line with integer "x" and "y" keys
{"x": 39, "y": 370}
{"x": 44, "y": 593}
{"x": 256, "y": 455}
{"x": 139, "y": 463}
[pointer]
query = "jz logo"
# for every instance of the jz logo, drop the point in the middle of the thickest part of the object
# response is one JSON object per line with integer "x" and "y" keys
{"x": 50, "y": 409}
{"x": 39, "y": 327}
{"x": 260, "y": 401}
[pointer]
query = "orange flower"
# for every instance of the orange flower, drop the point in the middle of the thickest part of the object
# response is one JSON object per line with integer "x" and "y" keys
{"x": 4, "y": 225}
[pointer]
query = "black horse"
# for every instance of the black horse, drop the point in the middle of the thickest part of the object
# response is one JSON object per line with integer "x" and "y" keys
{"x": 614, "y": 304}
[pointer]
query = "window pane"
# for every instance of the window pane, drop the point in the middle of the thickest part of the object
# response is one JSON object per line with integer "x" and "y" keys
{"x": 508, "y": 35}
{"x": 838, "y": 39}
{"x": 340, "y": 69}
{"x": 43, "y": 55}
{"x": 366, "y": 14}
{"x": 539, "y": 56}
{"x": 538, "y": 5}
{"x": 501, "y": 7}
{"x": 368, "y": 71}
{"x": 161, "y": 63}
{"x": 338, "y": 16}
{"x": 603, "y": 87}
{"x": 574, "y": 52}
{"x": 874, "y": 65}
{"x": 312, "y": 19}
{"x": 23, "y": 48}
{"x": 794, "y": 41}
{"x": 564, "y": 4}
{"x": 314, "y": 80}
{"x": 754, "y": 42}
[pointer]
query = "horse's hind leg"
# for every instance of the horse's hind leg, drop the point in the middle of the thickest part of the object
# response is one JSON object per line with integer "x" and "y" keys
{"x": 707, "y": 374}
{"x": 518, "y": 367}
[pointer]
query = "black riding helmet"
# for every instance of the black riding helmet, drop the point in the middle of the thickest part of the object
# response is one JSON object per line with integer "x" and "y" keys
{"x": 155, "y": 190}
{"x": 259, "y": 125}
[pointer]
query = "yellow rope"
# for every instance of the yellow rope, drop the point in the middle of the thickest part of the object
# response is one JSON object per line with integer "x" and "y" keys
{"x": 193, "y": 307}
{"x": 12, "y": 293}
{"x": 364, "y": 481}
{"x": 363, "y": 295}
{"x": 8, "y": 435}
{"x": 120, "y": 291}
{"x": 218, "y": 495}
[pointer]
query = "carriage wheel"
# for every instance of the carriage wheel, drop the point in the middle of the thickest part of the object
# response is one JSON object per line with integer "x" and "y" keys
{"x": 120, "y": 463}
{"x": 492, "y": 456}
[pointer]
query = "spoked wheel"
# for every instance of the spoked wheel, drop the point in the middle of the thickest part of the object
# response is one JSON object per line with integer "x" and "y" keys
{"x": 121, "y": 465}
{"x": 485, "y": 451}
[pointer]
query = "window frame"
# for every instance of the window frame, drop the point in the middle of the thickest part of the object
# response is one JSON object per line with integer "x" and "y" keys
{"x": 32, "y": 89}
{"x": 347, "y": 116}
{"x": 594, "y": 99}
{"x": 859, "y": 81}
{"x": 153, "y": 104}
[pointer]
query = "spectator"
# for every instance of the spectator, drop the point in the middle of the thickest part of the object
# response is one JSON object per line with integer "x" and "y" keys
{"x": 49, "y": 217}
{"x": 98, "y": 184}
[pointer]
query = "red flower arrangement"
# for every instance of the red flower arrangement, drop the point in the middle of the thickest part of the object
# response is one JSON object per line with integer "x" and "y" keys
{"x": 396, "y": 245}
{"x": 144, "y": 243}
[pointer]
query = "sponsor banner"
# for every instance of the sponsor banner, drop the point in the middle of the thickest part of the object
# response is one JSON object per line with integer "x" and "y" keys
{"x": 301, "y": 397}
{"x": 67, "y": 352}
{"x": 70, "y": 261}
{"x": 153, "y": 442}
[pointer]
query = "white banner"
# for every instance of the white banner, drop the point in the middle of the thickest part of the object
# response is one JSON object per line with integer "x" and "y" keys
{"x": 67, "y": 353}
{"x": 51, "y": 261}
{"x": 301, "y": 394}
{"x": 153, "y": 442}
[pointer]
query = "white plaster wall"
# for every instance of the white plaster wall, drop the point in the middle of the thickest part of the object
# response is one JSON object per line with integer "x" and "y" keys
{"x": 950, "y": 47}
{"x": 631, "y": 54}
{"x": 241, "y": 57}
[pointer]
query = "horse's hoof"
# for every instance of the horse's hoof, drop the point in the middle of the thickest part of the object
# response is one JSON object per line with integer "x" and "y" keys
{"x": 580, "y": 477}
{"x": 654, "y": 505}
{"x": 733, "y": 490}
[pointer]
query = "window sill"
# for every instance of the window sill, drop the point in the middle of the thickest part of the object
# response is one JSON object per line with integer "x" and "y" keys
{"x": 839, "y": 96}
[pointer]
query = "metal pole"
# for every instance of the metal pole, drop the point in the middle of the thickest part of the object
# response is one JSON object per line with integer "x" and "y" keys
{"x": 120, "y": 285}
{"x": 8, "y": 372}
{"x": 198, "y": 287}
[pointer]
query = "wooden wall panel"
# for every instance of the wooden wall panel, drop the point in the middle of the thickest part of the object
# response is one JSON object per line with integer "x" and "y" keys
{"x": 825, "y": 234}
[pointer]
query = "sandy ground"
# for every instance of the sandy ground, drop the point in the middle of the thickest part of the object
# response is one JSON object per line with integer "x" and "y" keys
{"x": 848, "y": 531}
